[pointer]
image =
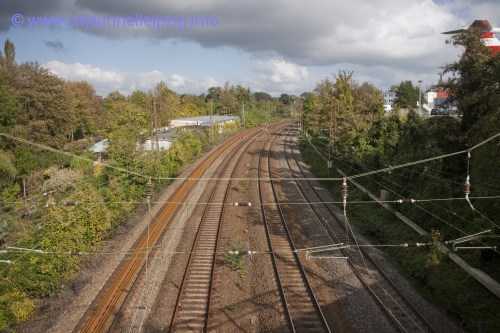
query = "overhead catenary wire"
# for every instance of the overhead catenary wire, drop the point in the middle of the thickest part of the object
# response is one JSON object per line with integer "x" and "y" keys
{"x": 420, "y": 207}
{"x": 427, "y": 211}
{"x": 344, "y": 193}
{"x": 314, "y": 147}
{"x": 456, "y": 176}
{"x": 121, "y": 169}
{"x": 466, "y": 198}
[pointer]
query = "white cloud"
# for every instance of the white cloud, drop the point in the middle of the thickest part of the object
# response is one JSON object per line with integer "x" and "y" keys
{"x": 105, "y": 81}
{"x": 385, "y": 39}
{"x": 176, "y": 81}
{"x": 276, "y": 76}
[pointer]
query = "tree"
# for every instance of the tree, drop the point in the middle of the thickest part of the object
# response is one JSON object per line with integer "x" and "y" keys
{"x": 167, "y": 104}
{"x": 285, "y": 99}
{"x": 406, "y": 95}
{"x": 86, "y": 107}
{"x": 345, "y": 113}
{"x": 261, "y": 96}
{"x": 126, "y": 125}
{"x": 45, "y": 100}
{"x": 475, "y": 88}
{"x": 8, "y": 59}
{"x": 321, "y": 113}
{"x": 475, "y": 78}
{"x": 140, "y": 98}
{"x": 9, "y": 107}
{"x": 227, "y": 103}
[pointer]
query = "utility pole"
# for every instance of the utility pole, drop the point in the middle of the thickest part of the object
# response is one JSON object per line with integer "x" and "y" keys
{"x": 152, "y": 123}
{"x": 419, "y": 96}
{"x": 155, "y": 125}
{"x": 148, "y": 194}
{"x": 243, "y": 112}
{"x": 211, "y": 125}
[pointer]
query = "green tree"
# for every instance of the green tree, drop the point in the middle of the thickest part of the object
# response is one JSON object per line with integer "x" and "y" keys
{"x": 9, "y": 107}
{"x": 126, "y": 125}
{"x": 228, "y": 103}
{"x": 45, "y": 101}
{"x": 384, "y": 137}
{"x": 261, "y": 96}
{"x": 167, "y": 104}
{"x": 407, "y": 95}
{"x": 285, "y": 99}
{"x": 8, "y": 59}
{"x": 86, "y": 107}
{"x": 141, "y": 99}
{"x": 322, "y": 116}
{"x": 344, "y": 112}
{"x": 475, "y": 79}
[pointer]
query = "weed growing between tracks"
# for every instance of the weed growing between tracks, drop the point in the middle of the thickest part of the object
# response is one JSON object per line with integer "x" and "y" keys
{"x": 235, "y": 258}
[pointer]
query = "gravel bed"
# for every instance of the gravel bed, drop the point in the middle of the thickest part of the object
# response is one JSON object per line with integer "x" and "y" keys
{"x": 249, "y": 303}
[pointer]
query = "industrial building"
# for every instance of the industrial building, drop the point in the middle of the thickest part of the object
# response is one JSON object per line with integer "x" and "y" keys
{"x": 203, "y": 121}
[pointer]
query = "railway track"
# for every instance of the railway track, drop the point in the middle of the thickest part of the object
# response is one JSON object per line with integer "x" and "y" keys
{"x": 301, "y": 306}
{"x": 193, "y": 305}
{"x": 392, "y": 301}
{"x": 105, "y": 308}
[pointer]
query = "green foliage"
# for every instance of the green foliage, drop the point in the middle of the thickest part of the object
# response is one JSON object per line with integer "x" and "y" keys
{"x": 407, "y": 95}
{"x": 67, "y": 228}
{"x": 256, "y": 115}
{"x": 15, "y": 306}
{"x": 41, "y": 107}
{"x": 167, "y": 104}
{"x": 8, "y": 105}
{"x": 8, "y": 171}
{"x": 87, "y": 108}
{"x": 261, "y": 96}
{"x": 475, "y": 81}
{"x": 28, "y": 159}
{"x": 244, "y": 184}
{"x": 3, "y": 231}
{"x": 369, "y": 141}
{"x": 236, "y": 260}
{"x": 45, "y": 100}
{"x": 9, "y": 194}
{"x": 285, "y": 99}
{"x": 345, "y": 112}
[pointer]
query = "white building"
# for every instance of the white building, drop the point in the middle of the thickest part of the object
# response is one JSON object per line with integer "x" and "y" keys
{"x": 203, "y": 121}
{"x": 389, "y": 97}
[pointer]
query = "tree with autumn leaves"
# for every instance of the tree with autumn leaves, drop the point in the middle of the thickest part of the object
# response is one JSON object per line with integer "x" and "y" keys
{"x": 343, "y": 111}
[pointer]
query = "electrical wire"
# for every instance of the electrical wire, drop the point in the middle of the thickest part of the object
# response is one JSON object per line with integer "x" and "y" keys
{"x": 41, "y": 146}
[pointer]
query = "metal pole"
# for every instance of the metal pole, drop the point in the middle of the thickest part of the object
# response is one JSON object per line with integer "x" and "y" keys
{"x": 419, "y": 97}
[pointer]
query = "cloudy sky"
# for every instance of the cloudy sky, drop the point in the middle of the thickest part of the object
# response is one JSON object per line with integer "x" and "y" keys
{"x": 267, "y": 45}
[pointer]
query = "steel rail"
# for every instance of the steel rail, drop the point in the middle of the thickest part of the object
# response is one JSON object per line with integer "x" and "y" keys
{"x": 391, "y": 313}
{"x": 294, "y": 304}
{"x": 104, "y": 309}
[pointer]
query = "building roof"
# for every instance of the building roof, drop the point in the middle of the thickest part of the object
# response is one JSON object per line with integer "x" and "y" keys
{"x": 215, "y": 119}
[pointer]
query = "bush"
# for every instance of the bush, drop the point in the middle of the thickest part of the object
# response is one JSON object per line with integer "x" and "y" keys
{"x": 15, "y": 306}
{"x": 62, "y": 180}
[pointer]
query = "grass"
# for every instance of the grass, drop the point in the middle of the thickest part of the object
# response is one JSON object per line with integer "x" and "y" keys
{"x": 236, "y": 261}
{"x": 244, "y": 184}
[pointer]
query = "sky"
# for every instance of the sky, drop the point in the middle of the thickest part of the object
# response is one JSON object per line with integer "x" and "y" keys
{"x": 275, "y": 46}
